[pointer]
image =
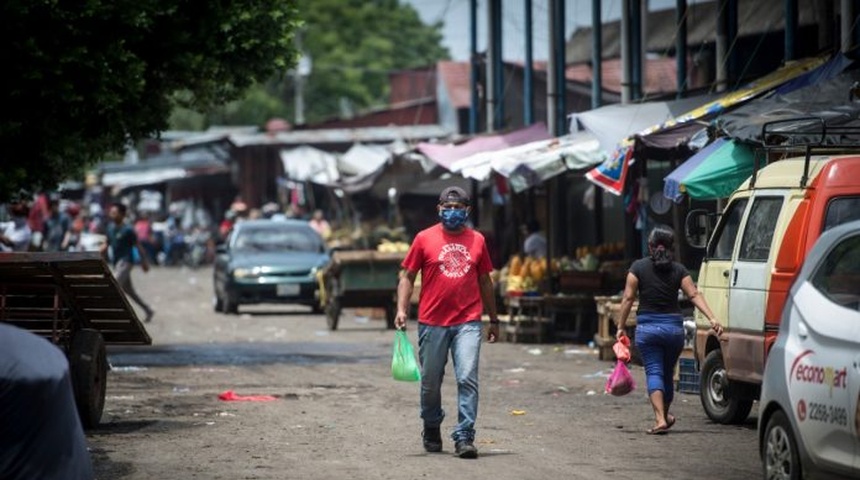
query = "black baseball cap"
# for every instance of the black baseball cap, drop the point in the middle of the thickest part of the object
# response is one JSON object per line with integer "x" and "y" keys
{"x": 454, "y": 194}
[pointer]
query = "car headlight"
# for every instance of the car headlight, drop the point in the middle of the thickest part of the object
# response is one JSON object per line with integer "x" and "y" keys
{"x": 246, "y": 272}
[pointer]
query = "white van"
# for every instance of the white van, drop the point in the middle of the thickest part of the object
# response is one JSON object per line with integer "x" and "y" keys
{"x": 753, "y": 257}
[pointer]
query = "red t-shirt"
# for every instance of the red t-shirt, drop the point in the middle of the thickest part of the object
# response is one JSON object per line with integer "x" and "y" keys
{"x": 450, "y": 265}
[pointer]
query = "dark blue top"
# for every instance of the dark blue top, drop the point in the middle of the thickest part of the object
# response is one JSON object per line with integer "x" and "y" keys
{"x": 121, "y": 239}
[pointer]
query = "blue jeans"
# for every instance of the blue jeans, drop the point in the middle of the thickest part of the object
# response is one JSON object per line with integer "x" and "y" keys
{"x": 464, "y": 342}
{"x": 660, "y": 345}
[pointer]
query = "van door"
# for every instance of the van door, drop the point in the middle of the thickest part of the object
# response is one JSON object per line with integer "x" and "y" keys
{"x": 713, "y": 281}
{"x": 748, "y": 282}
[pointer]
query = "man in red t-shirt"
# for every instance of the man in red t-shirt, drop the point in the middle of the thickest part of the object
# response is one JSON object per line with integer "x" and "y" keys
{"x": 455, "y": 290}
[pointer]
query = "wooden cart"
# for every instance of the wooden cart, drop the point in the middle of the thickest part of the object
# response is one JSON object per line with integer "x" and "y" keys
{"x": 74, "y": 301}
{"x": 361, "y": 278}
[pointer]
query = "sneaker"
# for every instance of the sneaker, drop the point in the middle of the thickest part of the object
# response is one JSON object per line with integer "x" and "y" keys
{"x": 149, "y": 315}
{"x": 432, "y": 438}
{"x": 465, "y": 449}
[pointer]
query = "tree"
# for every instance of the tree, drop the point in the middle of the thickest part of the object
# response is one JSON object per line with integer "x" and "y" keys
{"x": 81, "y": 79}
{"x": 354, "y": 45}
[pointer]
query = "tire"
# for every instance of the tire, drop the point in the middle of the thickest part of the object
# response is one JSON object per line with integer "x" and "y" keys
{"x": 332, "y": 313}
{"x": 88, "y": 366}
{"x": 231, "y": 307}
{"x": 715, "y": 392}
{"x": 779, "y": 455}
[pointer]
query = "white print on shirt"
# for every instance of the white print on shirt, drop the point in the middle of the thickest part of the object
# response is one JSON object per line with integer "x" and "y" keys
{"x": 454, "y": 260}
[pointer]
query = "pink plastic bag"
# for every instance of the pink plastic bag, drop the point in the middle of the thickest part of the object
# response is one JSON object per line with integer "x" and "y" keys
{"x": 622, "y": 349}
{"x": 620, "y": 382}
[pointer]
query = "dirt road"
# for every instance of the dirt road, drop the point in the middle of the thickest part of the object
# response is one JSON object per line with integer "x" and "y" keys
{"x": 338, "y": 414}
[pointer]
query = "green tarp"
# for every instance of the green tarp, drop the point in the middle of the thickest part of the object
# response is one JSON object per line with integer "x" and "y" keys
{"x": 714, "y": 172}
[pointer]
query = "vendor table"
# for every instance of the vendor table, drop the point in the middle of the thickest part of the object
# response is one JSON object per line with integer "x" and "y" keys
{"x": 526, "y": 316}
{"x": 608, "y": 309}
{"x": 571, "y": 315}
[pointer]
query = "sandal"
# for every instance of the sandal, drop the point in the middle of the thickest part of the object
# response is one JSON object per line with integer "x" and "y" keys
{"x": 657, "y": 430}
{"x": 670, "y": 421}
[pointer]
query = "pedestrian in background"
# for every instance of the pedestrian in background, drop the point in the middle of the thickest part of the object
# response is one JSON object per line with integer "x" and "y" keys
{"x": 320, "y": 224}
{"x": 54, "y": 227}
{"x": 456, "y": 288}
{"x": 122, "y": 241}
{"x": 659, "y": 322}
{"x": 15, "y": 235}
{"x": 535, "y": 242}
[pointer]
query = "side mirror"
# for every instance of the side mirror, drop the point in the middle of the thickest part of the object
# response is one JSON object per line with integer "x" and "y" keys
{"x": 221, "y": 248}
{"x": 697, "y": 228}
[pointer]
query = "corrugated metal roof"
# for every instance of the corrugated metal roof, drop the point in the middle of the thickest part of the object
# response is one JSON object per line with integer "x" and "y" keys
{"x": 754, "y": 17}
{"x": 185, "y": 160}
{"x": 343, "y": 135}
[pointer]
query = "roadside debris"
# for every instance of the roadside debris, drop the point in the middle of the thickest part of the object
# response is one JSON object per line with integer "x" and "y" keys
{"x": 231, "y": 396}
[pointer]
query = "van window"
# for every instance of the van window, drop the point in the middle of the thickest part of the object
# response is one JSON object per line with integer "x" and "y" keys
{"x": 839, "y": 274}
{"x": 761, "y": 224}
{"x": 724, "y": 240}
{"x": 842, "y": 210}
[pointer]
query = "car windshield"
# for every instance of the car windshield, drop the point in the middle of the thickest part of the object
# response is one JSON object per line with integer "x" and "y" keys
{"x": 277, "y": 239}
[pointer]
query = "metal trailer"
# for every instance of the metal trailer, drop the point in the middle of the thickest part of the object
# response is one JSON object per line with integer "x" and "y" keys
{"x": 361, "y": 278}
{"x": 74, "y": 301}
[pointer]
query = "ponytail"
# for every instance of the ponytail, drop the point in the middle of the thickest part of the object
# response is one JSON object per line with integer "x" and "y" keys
{"x": 661, "y": 243}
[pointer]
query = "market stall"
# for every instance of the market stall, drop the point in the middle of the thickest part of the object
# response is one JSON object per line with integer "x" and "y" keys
{"x": 554, "y": 299}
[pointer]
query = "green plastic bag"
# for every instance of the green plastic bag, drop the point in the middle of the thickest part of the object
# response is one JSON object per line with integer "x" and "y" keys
{"x": 404, "y": 366}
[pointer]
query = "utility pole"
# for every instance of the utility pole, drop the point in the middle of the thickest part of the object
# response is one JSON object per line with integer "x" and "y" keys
{"x": 302, "y": 70}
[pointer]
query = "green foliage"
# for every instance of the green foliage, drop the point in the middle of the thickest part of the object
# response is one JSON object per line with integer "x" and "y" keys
{"x": 354, "y": 45}
{"x": 81, "y": 79}
{"x": 258, "y": 104}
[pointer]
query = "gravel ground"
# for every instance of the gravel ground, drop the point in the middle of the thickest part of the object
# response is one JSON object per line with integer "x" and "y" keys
{"x": 338, "y": 414}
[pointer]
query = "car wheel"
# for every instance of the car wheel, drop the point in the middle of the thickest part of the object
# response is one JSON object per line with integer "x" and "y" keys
{"x": 230, "y": 306}
{"x": 716, "y": 395}
{"x": 780, "y": 459}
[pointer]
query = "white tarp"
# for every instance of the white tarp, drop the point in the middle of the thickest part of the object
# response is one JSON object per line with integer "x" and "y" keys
{"x": 309, "y": 164}
{"x": 530, "y": 164}
{"x": 135, "y": 178}
{"x": 613, "y": 123}
{"x": 363, "y": 159}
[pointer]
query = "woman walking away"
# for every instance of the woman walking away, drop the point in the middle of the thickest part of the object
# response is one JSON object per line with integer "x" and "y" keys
{"x": 659, "y": 323}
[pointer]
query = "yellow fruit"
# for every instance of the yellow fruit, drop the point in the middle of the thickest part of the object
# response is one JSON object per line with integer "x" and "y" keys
{"x": 526, "y": 269}
{"x": 516, "y": 265}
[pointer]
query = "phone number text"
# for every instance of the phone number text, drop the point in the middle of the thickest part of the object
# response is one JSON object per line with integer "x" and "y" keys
{"x": 828, "y": 414}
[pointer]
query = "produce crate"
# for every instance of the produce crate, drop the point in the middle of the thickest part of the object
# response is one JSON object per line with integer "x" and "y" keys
{"x": 688, "y": 377}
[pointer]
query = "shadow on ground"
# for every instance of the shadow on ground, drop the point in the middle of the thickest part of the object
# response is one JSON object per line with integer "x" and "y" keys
{"x": 245, "y": 354}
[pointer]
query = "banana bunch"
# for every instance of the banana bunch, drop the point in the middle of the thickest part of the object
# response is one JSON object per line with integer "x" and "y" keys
{"x": 387, "y": 246}
{"x": 525, "y": 274}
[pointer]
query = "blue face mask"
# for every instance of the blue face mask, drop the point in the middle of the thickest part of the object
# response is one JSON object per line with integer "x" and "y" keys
{"x": 453, "y": 218}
